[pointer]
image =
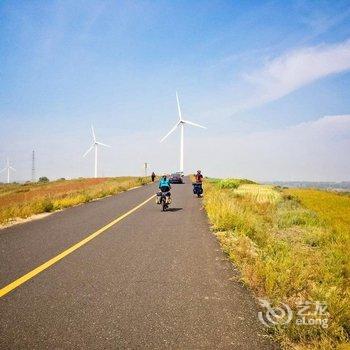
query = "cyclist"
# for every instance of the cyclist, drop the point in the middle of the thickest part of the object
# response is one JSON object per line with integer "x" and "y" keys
{"x": 164, "y": 186}
{"x": 199, "y": 177}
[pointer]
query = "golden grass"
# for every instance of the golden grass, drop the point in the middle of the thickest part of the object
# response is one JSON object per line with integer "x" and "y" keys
{"x": 288, "y": 251}
{"x": 332, "y": 207}
{"x": 22, "y": 201}
{"x": 259, "y": 193}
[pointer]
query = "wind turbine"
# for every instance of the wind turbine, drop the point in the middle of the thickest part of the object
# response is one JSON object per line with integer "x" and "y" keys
{"x": 8, "y": 168}
{"x": 94, "y": 147}
{"x": 181, "y": 123}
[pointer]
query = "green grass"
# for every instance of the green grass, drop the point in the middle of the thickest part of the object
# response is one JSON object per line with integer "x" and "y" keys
{"x": 288, "y": 251}
{"x": 25, "y": 200}
{"x": 232, "y": 183}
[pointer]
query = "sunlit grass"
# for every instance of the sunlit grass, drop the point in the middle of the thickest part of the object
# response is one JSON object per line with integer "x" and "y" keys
{"x": 332, "y": 207}
{"x": 259, "y": 193}
{"x": 289, "y": 249}
{"x": 24, "y": 200}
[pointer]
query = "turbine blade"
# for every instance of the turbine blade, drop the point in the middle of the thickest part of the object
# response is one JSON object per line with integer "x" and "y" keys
{"x": 171, "y": 131}
{"x": 178, "y": 106}
{"x": 93, "y": 132}
{"x": 89, "y": 150}
{"x": 103, "y": 144}
{"x": 194, "y": 124}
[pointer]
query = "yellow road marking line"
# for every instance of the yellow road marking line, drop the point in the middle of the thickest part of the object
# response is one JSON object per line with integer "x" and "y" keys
{"x": 7, "y": 289}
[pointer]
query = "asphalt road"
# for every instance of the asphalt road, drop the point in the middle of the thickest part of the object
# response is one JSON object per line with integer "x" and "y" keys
{"x": 153, "y": 281}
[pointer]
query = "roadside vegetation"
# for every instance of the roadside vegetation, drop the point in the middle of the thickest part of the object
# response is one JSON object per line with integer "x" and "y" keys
{"x": 291, "y": 246}
{"x": 25, "y": 200}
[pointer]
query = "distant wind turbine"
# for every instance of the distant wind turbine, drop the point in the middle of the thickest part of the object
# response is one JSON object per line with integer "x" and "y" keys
{"x": 94, "y": 147}
{"x": 181, "y": 123}
{"x": 8, "y": 168}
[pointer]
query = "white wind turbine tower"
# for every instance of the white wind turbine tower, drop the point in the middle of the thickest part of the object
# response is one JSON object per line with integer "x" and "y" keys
{"x": 181, "y": 123}
{"x": 94, "y": 147}
{"x": 8, "y": 168}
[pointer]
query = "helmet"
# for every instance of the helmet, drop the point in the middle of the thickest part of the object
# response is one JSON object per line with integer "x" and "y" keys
{"x": 198, "y": 171}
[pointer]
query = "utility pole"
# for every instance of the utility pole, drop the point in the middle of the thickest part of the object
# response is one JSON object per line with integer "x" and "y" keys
{"x": 33, "y": 166}
{"x": 146, "y": 168}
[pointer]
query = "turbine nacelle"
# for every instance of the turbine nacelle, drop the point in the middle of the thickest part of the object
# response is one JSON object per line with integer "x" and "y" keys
{"x": 7, "y": 168}
{"x": 181, "y": 123}
{"x": 94, "y": 146}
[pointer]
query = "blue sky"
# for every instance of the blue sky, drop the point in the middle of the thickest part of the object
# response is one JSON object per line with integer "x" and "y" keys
{"x": 259, "y": 74}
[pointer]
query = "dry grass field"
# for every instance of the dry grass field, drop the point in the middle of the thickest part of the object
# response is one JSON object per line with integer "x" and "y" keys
{"x": 291, "y": 246}
{"x": 24, "y": 200}
{"x": 332, "y": 207}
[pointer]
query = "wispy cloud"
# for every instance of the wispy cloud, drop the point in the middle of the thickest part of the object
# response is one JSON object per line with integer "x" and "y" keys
{"x": 312, "y": 150}
{"x": 321, "y": 22}
{"x": 295, "y": 69}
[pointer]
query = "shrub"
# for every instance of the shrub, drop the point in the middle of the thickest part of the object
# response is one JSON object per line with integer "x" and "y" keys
{"x": 233, "y": 183}
{"x": 46, "y": 205}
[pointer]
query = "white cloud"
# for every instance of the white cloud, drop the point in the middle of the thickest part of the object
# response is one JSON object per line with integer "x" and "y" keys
{"x": 284, "y": 74}
{"x": 315, "y": 150}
